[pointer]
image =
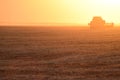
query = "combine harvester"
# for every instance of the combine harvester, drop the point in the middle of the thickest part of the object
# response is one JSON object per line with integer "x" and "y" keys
{"x": 99, "y": 24}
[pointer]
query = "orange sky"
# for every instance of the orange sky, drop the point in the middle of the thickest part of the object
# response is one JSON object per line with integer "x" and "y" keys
{"x": 15, "y": 12}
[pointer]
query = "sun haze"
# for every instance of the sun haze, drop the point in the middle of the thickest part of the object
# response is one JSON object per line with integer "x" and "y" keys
{"x": 59, "y": 12}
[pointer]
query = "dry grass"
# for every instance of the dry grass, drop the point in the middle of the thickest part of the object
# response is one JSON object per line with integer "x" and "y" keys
{"x": 59, "y": 54}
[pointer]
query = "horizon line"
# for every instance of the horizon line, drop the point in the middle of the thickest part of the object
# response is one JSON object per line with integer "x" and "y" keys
{"x": 50, "y": 24}
{"x": 82, "y": 26}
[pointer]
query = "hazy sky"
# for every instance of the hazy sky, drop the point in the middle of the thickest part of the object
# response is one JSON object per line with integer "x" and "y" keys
{"x": 37, "y": 12}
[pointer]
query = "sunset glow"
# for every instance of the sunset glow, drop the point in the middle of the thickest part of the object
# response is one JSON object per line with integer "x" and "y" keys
{"x": 37, "y": 12}
{"x": 59, "y": 39}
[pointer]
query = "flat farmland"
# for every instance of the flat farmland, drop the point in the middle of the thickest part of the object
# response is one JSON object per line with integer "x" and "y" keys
{"x": 29, "y": 53}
